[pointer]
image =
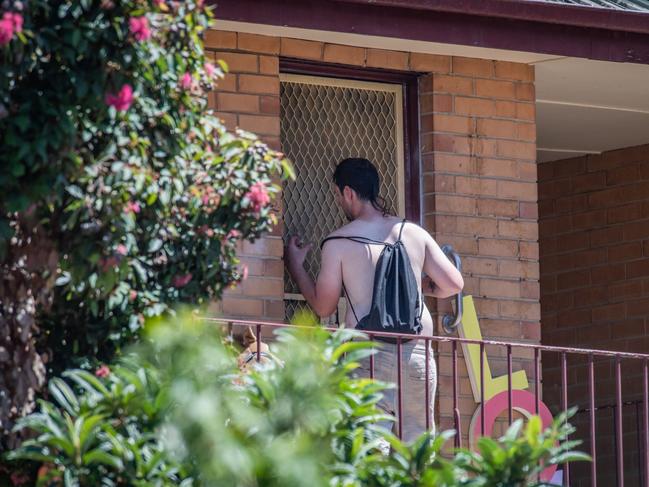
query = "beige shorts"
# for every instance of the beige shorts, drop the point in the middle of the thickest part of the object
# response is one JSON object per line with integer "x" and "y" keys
{"x": 413, "y": 384}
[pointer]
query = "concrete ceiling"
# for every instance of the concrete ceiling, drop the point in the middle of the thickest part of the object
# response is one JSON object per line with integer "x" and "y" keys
{"x": 583, "y": 106}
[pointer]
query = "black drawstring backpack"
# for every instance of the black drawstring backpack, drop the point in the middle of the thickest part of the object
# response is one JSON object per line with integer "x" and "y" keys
{"x": 396, "y": 304}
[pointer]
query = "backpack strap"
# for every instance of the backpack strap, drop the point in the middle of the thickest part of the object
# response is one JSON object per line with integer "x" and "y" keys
{"x": 403, "y": 224}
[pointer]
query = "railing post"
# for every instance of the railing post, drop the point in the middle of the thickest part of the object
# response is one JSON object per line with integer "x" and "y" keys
{"x": 646, "y": 422}
{"x": 618, "y": 422}
{"x": 509, "y": 384}
{"x": 564, "y": 406}
{"x": 399, "y": 388}
{"x": 593, "y": 426}
{"x": 482, "y": 424}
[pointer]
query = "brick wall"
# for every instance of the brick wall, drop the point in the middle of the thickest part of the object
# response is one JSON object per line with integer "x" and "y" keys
{"x": 594, "y": 236}
{"x": 480, "y": 195}
{"x": 478, "y": 176}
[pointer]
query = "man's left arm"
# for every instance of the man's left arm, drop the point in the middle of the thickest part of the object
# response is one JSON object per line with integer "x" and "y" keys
{"x": 322, "y": 295}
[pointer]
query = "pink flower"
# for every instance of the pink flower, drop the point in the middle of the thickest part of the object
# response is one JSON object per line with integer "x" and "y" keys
{"x": 233, "y": 234}
{"x": 121, "y": 249}
{"x": 160, "y": 4}
{"x": 183, "y": 280}
{"x": 6, "y": 31}
{"x": 132, "y": 207}
{"x": 258, "y": 196}
{"x": 186, "y": 81}
{"x": 132, "y": 295}
{"x": 209, "y": 69}
{"x": 139, "y": 28}
{"x": 102, "y": 371}
{"x": 244, "y": 272}
{"x": 122, "y": 100}
{"x": 15, "y": 19}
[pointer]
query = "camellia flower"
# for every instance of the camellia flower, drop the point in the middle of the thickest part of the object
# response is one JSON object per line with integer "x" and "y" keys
{"x": 121, "y": 249}
{"x": 186, "y": 81}
{"x": 209, "y": 69}
{"x": 102, "y": 371}
{"x": 139, "y": 28}
{"x": 258, "y": 196}
{"x": 122, "y": 100}
{"x": 6, "y": 30}
{"x": 233, "y": 234}
{"x": 132, "y": 207}
{"x": 132, "y": 295}
{"x": 16, "y": 20}
{"x": 183, "y": 280}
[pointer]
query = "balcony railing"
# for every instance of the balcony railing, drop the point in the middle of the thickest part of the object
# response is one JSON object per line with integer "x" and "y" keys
{"x": 522, "y": 401}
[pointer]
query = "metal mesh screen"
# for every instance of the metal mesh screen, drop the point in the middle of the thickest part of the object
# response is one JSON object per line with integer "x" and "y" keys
{"x": 322, "y": 122}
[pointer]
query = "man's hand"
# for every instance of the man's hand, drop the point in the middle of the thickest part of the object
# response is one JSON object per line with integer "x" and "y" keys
{"x": 296, "y": 252}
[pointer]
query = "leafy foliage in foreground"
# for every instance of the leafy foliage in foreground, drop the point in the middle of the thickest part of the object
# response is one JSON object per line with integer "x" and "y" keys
{"x": 179, "y": 412}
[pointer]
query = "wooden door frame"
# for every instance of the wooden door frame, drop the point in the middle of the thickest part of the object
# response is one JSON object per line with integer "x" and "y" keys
{"x": 410, "y": 90}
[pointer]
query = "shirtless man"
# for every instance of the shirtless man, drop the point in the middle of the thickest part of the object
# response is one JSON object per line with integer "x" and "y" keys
{"x": 356, "y": 185}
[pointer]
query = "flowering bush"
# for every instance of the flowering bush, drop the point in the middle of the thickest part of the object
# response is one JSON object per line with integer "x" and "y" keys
{"x": 111, "y": 161}
{"x": 179, "y": 412}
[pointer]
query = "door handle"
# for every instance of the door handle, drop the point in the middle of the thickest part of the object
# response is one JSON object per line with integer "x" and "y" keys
{"x": 451, "y": 321}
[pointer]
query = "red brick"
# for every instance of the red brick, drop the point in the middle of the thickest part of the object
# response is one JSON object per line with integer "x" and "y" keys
{"x": 497, "y": 128}
{"x": 227, "y": 83}
{"x": 472, "y": 66}
{"x": 269, "y": 247}
{"x": 442, "y": 103}
{"x": 573, "y": 279}
{"x": 634, "y": 230}
{"x": 234, "y": 102}
{"x": 478, "y": 107}
{"x": 336, "y": 53}
{"x": 495, "y": 88}
{"x": 518, "y": 190}
{"x": 498, "y": 247}
{"x": 525, "y": 310}
{"x": 605, "y": 236}
{"x": 498, "y": 168}
{"x": 588, "y": 182}
{"x": 477, "y": 186}
{"x": 258, "y": 286}
{"x": 626, "y": 174}
{"x": 258, "y": 43}
{"x": 269, "y": 65}
{"x": 574, "y": 318}
{"x": 269, "y": 105}
{"x": 572, "y": 241}
{"x": 452, "y": 163}
{"x": 499, "y": 288}
{"x": 637, "y": 269}
{"x": 624, "y": 213}
{"x": 518, "y": 268}
{"x": 517, "y": 150}
{"x": 480, "y": 266}
{"x": 590, "y": 219}
{"x": 526, "y": 111}
{"x": 494, "y": 207}
{"x": 515, "y": 71}
{"x": 239, "y": 63}
{"x": 430, "y": 62}
{"x": 215, "y": 39}
{"x": 260, "y": 124}
{"x": 447, "y": 143}
{"x": 449, "y": 123}
{"x": 529, "y": 210}
{"x": 252, "y": 83}
{"x": 529, "y": 250}
{"x": 625, "y": 290}
{"x": 453, "y": 84}
{"x": 242, "y": 307}
{"x": 624, "y": 252}
{"x": 274, "y": 309}
{"x": 505, "y": 109}
{"x": 609, "y": 273}
{"x": 638, "y": 308}
{"x": 456, "y": 204}
{"x": 300, "y": 48}
{"x": 380, "y": 58}
{"x": 525, "y": 91}
{"x": 518, "y": 229}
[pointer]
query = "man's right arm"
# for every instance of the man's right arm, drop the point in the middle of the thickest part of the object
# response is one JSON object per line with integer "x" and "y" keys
{"x": 447, "y": 280}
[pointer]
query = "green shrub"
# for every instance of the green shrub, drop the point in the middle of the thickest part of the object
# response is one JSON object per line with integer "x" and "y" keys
{"x": 121, "y": 194}
{"x": 180, "y": 411}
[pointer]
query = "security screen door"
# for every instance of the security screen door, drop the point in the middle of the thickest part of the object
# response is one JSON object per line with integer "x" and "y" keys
{"x": 324, "y": 120}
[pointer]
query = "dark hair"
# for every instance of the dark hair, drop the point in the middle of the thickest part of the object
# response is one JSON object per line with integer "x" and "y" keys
{"x": 361, "y": 176}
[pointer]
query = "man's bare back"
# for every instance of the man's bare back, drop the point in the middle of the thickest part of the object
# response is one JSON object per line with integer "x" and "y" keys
{"x": 357, "y": 261}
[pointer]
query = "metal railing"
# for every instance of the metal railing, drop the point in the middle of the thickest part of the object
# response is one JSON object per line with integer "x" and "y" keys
{"x": 564, "y": 353}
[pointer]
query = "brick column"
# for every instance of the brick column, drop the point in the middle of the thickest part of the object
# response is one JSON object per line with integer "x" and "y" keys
{"x": 248, "y": 98}
{"x": 480, "y": 195}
